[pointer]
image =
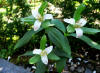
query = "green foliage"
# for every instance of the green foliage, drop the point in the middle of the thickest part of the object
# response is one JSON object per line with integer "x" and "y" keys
{"x": 29, "y": 19}
{"x": 88, "y": 41}
{"x": 46, "y": 24}
{"x": 11, "y": 28}
{"x": 58, "y": 24}
{"x": 61, "y": 64}
{"x": 43, "y": 42}
{"x": 25, "y": 39}
{"x": 70, "y": 28}
{"x": 52, "y": 56}
{"x": 41, "y": 68}
{"x": 42, "y": 8}
{"x": 90, "y": 30}
{"x": 77, "y": 14}
{"x": 59, "y": 40}
{"x": 28, "y": 53}
{"x": 34, "y": 59}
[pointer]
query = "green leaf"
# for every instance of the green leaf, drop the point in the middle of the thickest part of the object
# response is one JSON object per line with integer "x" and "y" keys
{"x": 88, "y": 41}
{"x": 46, "y": 24}
{"x": 60, "y": 52}
{"x": 25, "y": 39}
{"x": 34, "y": 59}
{"x": 90, "y": 30}
{"x": 43, "y": 42}
{"x": 28, "y": 53}
{"x": 43, "y": 6}
{"x": 29, "y": 19}
{"x": 59, "y": 40}
{"x": 60, "y": 65}
{"x": 70, "y": 28}
{"x": 77, "y": 14}
{"x": 58, "y": 24}
{"x": 52, "y": 56}
{"x": 41, "y": 68}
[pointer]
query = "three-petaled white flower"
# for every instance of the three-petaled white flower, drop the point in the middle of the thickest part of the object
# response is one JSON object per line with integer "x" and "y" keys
{"x": 39, "y": 18}
{"x": 43, "y": 53}
{"x": 77, "y": 25}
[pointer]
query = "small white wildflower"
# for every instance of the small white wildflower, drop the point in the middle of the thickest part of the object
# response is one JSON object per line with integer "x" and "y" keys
{"x": 39, "y": 18}
{"x": 77, "y": 25}
{"x": 43, "y": 53}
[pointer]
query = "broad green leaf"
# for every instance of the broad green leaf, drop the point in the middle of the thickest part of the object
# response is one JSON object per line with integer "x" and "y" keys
{"x": 90, "y": 30}
{"x": 52, "y": 56}
{"x": 58, "y": 24}
{"x": 46, "y": 24}
{"x": 70, "y": 28}
{"x": 43, "y": 42}
{"x": 88, "y": 41}
{"x": 60, "y": 52}
{"x": 29, "y": 19}
{"x": 60, "y": 65}
{"x": 25, "y": 39}
{"x": 40, "y": 67}
{"x": 59, "y": 40}
{"x": 42, "y": 7}
{"x": 34, "y": 59}
{"x": 28, "y": 53}
{"x": 77, "y": 14}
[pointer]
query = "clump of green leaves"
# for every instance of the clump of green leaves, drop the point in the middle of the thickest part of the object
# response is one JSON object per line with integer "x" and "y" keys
{"x": 56, "y": 32}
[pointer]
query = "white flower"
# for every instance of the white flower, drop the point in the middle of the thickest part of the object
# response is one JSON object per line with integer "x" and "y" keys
{"x": 94, "y": 71}
{"x": 70, "y": 60}
{"x": 77, "y": 25}
{"x": 39, "y": 18}
{"x": 43, "y": 53}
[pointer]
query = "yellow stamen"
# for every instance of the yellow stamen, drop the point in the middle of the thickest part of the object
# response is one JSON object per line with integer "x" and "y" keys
{"x": 43, "y": 53}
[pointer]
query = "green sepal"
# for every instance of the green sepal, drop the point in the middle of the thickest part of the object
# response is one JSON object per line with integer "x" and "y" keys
{"x": 43, "y": 42}
{"x": 53, "y": 56}
{"x": 70, "y": 29}
{"x": 77, "y": 14}
{"x": 34, "y": 59}
{"x": 42, "y": 7}
{"x": 29, "y": 19}
{"x": 46, "y": 24}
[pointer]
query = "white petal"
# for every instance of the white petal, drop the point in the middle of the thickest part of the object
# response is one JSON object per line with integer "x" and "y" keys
{"x": 37, "y": 51}
{"x": 70, "y": 60}
{"x": 49, "y": 49}
{"x": 82, "y": 22}
{"x": 36, "y": 25}
{"x": 70, "y": 21}
{"x": 48, "y": 16}
{"x": 94, "y": 71}
{"x": 36, "y": 14}
{"x": 79, "y": 32}
{"x": 44, "y": 59}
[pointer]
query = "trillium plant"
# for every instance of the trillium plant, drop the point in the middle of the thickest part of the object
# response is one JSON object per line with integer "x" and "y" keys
{"x": 55, "y": 33}
{"x": 77, "y": 25}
